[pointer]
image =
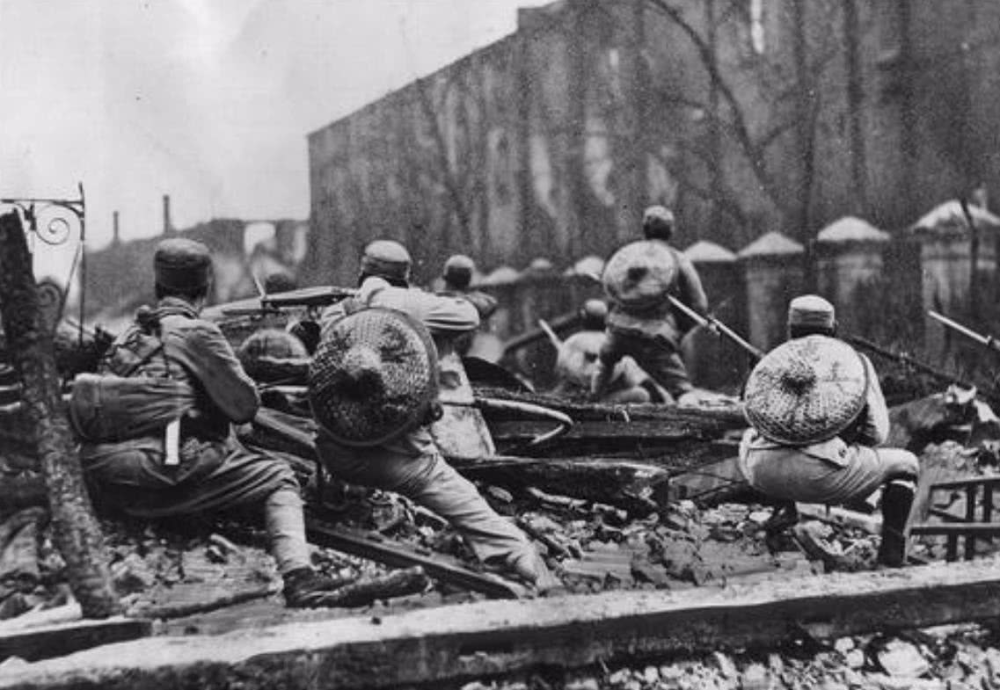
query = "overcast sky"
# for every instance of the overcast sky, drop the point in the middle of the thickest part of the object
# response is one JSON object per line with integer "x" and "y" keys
{"x": 209, "y": 101}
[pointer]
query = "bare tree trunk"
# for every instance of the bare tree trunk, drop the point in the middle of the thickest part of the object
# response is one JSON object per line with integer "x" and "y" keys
{"x": 716, "y": 181}
{"x": 805, "y": 116}
{"x": 77, "y": 532}
{"x": 855, "y": 105}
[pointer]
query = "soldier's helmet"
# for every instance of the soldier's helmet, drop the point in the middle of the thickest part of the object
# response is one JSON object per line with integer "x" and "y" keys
{"x": 658, "y": 223}
{"x": 458, "y": 270}
{"x": 269, "y": 343}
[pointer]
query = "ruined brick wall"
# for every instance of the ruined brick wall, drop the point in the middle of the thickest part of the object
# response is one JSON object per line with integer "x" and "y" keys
{"x": 550, "y": 141}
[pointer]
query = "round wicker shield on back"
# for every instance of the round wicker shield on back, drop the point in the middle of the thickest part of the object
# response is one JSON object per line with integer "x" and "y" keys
{"x": 373, "y": 377}
{"x": 640, "y": 274}
{"x": 806, "y": 390}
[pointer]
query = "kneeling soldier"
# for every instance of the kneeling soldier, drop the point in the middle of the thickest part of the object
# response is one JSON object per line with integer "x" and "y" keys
{"x": 368, "y": 362}
{"x": 818, "y": 416}
{"x": 156, "y": 423}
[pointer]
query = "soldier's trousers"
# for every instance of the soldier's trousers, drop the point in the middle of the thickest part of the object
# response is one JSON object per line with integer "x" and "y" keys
{"x": 413, "y": 466}
{"x": 656, "y": 354}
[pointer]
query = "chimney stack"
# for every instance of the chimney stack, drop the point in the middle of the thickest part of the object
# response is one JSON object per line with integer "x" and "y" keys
{"x": 167, "y": 225}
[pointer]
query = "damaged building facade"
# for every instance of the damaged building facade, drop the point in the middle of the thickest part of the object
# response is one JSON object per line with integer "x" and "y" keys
{"x": 747, "y": 117}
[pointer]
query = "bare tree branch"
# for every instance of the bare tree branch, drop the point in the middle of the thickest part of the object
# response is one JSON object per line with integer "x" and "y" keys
{"x": 441, "y": 151}
{"x": 740, "y": 129}
{"x": 726, "y": 198}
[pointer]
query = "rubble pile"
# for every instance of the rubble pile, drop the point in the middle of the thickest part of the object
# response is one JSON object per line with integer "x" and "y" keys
{"x": 962, "y": 657}
{"x": 168, "y": 570}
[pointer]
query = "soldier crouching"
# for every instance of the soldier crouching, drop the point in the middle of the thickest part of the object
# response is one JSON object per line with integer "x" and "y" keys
{"x": 156, "y": 423}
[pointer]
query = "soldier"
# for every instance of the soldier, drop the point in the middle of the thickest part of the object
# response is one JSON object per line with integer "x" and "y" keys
{"x": 818, "y": 419}
{"x": 457, "y": 278}
{"x": 577, "y": 360}
{"x": 642, "y": 322}
{"x": 411, "y": 464}
{"x": 169, "y": 365}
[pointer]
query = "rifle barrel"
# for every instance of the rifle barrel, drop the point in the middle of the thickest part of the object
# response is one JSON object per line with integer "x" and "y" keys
{"x": 955, "y": 326}
{"x": 907, "y": 360}
{"x": 713, "y": 323}
{"x": 553, "y": 338}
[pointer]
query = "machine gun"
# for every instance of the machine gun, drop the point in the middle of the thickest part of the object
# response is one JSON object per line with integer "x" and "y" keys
{"x": 319, "y": 296}
{"x": 717, "y": 327}
{"x": 988, "y": 341}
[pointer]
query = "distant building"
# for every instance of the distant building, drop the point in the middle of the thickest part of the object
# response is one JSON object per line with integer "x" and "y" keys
{"x": 119, "y": 276}
{"x": 550, "y": 141}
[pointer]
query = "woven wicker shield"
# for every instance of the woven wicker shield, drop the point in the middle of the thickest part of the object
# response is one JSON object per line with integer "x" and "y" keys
{"x": 640, "y": 274}
{"x": 806, "y": 390}
{"x": 373, "y": 377}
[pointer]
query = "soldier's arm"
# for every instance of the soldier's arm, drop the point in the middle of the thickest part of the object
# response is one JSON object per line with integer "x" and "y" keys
{"x": 209, "y": 357}
{"x": 446, "y": 314}
{"x": 874, "y": 427}
{"x": 485, "y": 304}
{"x": 691, "y": 291}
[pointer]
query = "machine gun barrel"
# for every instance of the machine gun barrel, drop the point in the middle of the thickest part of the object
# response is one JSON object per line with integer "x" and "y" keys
{"x": 319, "y": 296}
{"x": 713, "y": 324}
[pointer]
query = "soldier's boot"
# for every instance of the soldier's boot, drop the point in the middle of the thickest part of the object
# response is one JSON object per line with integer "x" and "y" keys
{"x": 306, "y": 588}
{"x": 897, "y": 499}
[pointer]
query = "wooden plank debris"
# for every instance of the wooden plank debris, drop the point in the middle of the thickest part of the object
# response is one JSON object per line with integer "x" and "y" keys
{"x": 455, "y": 643}
{"x": 377, "y": 547}
{"x": 59, "y": 639}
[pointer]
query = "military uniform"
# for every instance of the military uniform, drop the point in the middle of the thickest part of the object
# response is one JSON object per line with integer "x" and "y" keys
{"x": 651, "y": 335}
{"x": 412, "y": 465}
{"x": 834, "y": 462}
{"x": 214, "y": 471}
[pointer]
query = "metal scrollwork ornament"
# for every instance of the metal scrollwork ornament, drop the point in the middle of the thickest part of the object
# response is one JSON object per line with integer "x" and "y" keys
{"x": 53, "y": 221}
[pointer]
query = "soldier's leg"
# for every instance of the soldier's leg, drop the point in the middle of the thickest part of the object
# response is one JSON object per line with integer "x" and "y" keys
{"x": 611, "y": 352}
{"x": 414, "y": 468}
{"x": 492, "y": 537}
{"x": 900, "y": 468}
{"x": 661, "y": 360}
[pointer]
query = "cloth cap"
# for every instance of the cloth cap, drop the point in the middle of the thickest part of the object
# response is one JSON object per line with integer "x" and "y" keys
{"x": 640, "y": 274}
{"x": 386, "y": 258}
{"x": 458, "y": 270}
{"x": 658, "y": 221}
{"x": 806, "y": 390}
{"x": 812, "y": 311}
{"x": 182, "y": 264}
{"x": 373, "y": 377}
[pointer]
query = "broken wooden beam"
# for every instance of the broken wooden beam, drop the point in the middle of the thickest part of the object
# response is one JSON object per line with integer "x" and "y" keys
{"x": 969, "y": 529}
{"x": 60, "y": 639}
{"x": 636, "y": 430}
{"x": 376, "y": 547}
{"x": 704, "y": 422}
{"x": 452, "y": 644}
{"x": 633, "y": 485}
{"x": 614, "y": 480}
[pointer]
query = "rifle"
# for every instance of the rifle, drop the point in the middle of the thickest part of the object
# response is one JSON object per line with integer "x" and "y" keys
{"x": 563, "y": 322}
{"x": 908, "y": 361}
{"x": 987, "y": 340}
{"x": 717, "y": 327}
{"x": 553, "y": 338}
